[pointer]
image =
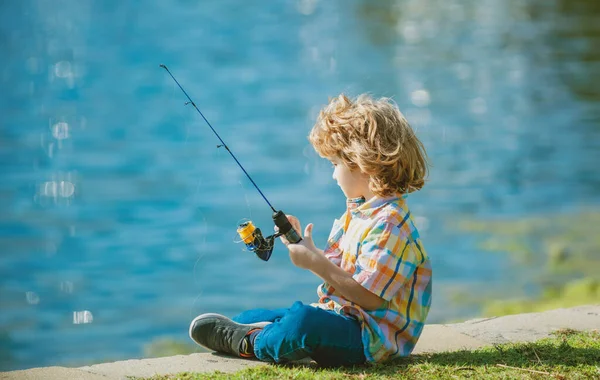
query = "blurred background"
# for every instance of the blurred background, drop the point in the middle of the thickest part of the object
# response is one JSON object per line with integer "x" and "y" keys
{"x": 118, "y": 213}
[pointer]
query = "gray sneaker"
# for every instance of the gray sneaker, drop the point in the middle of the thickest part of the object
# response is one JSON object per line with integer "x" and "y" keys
{"x": 219, "y": 333}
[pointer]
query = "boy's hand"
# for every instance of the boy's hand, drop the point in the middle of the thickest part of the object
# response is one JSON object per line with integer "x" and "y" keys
{"x": 295, "y": 225}
{"x": 305, "y": 254}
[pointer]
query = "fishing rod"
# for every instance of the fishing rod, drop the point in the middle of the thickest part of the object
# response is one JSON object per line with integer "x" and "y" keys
{"x": 250, "y": 234}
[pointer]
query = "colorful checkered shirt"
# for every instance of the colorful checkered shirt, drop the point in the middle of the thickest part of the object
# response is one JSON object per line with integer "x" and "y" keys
{"x": 377, "y": 242}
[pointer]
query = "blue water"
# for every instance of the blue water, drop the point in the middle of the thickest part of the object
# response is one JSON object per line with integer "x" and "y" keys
{"x": 119, "y": 213}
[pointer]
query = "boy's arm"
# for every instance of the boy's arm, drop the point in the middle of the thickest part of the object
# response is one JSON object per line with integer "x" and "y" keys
{"x": 343, "y": 283}
{"x": 306, "y": 255}
{"x": 386, "y": 262}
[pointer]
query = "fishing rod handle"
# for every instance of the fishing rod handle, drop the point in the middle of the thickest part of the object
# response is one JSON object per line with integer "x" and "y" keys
{"x": 285, "y": 227}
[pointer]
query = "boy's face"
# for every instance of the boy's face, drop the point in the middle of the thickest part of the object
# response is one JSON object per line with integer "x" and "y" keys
{"x": 353, "y": 183}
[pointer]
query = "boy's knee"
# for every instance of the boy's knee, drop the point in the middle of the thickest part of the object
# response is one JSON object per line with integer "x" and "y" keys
{"x": 302, "y": 319}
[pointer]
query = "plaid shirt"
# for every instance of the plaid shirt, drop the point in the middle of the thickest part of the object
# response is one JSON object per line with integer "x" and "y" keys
{"x": 378, "y": 243}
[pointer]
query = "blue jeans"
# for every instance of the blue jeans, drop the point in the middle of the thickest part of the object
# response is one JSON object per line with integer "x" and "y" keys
{"x": 303, "y": 331}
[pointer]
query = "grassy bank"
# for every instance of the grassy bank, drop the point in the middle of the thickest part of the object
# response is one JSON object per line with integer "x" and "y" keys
{"x": 566, "y": 355}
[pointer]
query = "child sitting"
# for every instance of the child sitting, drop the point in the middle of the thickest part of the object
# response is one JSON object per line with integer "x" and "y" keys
{"x": 376, "y": 289}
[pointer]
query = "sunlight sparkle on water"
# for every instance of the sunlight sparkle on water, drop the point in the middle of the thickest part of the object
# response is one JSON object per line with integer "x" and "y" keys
{"x": 63, "y": 69}
{"x": 81, "y": 317}
{"x": 60, "y": 130}
{"x": 420, "y": 98}
{"x": 57, "y": 189}
{"x": 32, "y": 298}
{"x": 410, "y": 32}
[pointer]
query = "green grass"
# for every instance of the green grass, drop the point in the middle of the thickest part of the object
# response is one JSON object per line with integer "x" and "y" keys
{"x": 567, "y": 354}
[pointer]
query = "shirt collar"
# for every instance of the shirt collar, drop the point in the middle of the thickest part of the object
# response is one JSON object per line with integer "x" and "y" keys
{"x": 360, "y": 206}
{"x": 354, "y": 203}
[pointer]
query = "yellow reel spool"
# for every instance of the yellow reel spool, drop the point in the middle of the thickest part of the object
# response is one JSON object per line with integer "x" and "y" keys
{"x": 246, "y": 232}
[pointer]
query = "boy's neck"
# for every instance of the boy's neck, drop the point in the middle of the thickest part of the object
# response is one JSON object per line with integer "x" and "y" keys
{"x": 366, "y": 195}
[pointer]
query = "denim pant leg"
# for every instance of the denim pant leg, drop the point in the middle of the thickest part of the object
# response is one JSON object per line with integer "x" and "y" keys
{"x": 259, "y": 315}
{"x": 304, "y": 331}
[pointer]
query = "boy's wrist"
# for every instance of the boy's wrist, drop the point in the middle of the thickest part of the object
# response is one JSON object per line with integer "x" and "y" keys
{"x": 320, "y": 266}
{"x": 320, "y": 260}
{"x": 313, "y": 261}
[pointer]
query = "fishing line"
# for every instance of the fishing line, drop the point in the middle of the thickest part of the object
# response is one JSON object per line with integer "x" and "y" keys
{"x": 250, "y": 234}
{"x": 219, "y": 137}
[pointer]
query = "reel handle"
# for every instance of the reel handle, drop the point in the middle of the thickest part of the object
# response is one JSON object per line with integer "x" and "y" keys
{"x": 285, "y": 227}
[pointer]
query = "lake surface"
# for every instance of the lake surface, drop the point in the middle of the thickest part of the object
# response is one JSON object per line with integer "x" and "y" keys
{"x": 119, "y": 213}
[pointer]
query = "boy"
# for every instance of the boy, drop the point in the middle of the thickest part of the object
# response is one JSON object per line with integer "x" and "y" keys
{"x": 377, "y": 277}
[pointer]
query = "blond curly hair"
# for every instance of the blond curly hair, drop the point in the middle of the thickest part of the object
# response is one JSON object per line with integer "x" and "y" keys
{"x": 373, "y": 136}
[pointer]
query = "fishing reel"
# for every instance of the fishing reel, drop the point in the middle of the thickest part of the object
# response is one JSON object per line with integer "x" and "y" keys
{"x": 263, "y": 246}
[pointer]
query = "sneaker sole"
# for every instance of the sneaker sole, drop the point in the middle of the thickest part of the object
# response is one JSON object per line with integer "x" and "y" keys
{"x": 257, "y": 324}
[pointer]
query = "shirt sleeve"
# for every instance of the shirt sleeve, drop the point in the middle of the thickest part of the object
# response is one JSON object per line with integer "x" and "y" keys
{"x": 386, "y": 260}
{"x": 332, "y": 250}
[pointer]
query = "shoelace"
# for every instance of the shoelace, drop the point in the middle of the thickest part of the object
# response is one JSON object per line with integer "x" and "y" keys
{"x": 246, "y": 347}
